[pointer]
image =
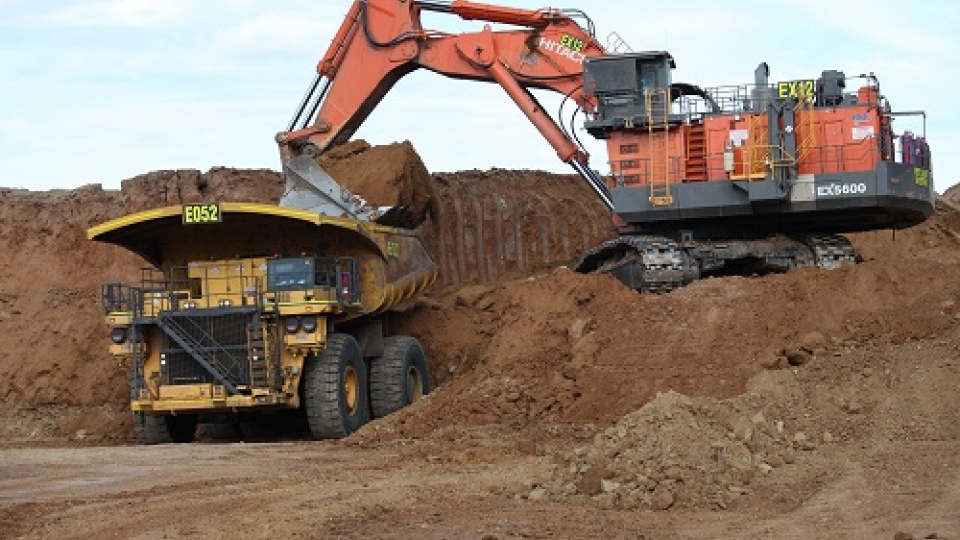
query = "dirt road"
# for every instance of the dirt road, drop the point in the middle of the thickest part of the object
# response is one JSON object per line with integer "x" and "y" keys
{"x": 473, "y": 489}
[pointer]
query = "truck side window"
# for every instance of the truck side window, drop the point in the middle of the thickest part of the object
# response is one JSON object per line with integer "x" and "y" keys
{"x": 291, "y": 274}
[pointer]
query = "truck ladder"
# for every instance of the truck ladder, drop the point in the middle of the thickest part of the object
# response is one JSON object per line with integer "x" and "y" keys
{"x": 263, "y": 371}
{"x": 658, "y": 128}
{"x": 183, "y": 330}
{"x": 138, "y": 357}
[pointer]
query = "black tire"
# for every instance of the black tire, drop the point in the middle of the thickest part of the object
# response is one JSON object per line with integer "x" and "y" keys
{"x": 399, "y": 377}
{"x": 164, "y": 429}
{"x": 335, "y": 389}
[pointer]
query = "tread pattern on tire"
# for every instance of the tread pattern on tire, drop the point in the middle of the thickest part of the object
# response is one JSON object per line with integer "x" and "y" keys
{"x": 322, "y": 386}
{"x": 387, "y": 376}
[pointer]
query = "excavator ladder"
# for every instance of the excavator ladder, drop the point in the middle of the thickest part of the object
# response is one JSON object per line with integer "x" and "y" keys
{"x": 658, "y": 127}
{"x": 756, "y": 150}
{"x": 806, "y": 125}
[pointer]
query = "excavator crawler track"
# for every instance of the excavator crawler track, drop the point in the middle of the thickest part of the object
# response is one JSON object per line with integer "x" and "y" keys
{"x": 831, "y": 251}
{"x": 646, "y": 264}
{"x": 660, "y": 265}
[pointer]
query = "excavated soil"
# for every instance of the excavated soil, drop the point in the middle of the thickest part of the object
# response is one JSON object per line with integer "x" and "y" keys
{"x": 389, "y": 175}
{"x": 565, "y": 405}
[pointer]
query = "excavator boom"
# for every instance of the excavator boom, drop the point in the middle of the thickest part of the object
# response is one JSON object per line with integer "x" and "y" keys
{"x": 381, "y": 41}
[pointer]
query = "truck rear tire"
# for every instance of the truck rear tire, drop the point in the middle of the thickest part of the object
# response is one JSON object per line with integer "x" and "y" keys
{"x": 399, "y": 377}
{"x": 335, "y": 389}
{"x": 164, "y": 429}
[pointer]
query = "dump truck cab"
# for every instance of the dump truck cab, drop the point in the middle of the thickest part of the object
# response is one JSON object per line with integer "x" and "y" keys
{"x": 290, "y": 321}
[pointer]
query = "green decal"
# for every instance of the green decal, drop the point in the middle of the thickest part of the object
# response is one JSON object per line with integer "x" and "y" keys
{"x": 796, "y": 89}
{"x": 195, "y": 214}
{"x": 393, "y": 250}
{"x": 573, "y": 43}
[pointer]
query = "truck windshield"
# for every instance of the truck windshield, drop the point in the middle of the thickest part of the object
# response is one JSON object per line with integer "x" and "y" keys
{"x": 291, "y": 274}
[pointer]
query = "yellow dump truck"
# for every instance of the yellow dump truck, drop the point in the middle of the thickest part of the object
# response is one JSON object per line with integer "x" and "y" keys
{"x": 251, "y": 310}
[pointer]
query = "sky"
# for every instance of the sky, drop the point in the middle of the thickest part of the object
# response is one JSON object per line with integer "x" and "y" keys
{"x": 96, "y": 92}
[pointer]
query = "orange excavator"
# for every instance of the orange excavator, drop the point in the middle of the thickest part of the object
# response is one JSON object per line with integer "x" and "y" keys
{"x": 760, "y": 177}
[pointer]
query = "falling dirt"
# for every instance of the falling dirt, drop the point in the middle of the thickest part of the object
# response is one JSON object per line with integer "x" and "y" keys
{"x": 565, "y": 405}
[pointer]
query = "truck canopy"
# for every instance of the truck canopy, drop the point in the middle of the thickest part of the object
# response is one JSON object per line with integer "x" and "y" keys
{"x": 179, "y": 234}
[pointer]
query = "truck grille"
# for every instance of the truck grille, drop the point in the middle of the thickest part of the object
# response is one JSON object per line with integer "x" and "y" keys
{"x": 219, "y": 336}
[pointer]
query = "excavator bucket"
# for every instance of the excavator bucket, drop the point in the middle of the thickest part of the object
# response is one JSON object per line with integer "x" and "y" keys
{"x": 309, "y": 187}
{"x": 401, "y": 185}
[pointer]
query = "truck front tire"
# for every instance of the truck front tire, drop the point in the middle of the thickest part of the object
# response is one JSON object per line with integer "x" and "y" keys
{"x": 335, "y": 389}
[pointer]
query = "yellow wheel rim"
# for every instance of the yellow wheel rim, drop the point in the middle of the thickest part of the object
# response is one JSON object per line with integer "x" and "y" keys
{"x": 351, "y": 389}
{"x": 414, "y": 384}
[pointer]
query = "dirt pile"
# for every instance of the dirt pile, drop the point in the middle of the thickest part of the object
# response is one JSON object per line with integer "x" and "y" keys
{"x": 547, "y": 353}
{"x": 792, "y": 432}
{"x": 727, "y": 391}
{"x": 565, "y": 348}
{"x": 52, "y": 346}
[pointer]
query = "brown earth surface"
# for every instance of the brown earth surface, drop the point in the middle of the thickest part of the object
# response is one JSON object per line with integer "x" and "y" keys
{"x": 565, "y": 405}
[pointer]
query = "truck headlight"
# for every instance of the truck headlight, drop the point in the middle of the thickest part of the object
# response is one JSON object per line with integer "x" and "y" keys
{"x": 309, "y": 323}
{"x": 118, "y": 335}
{"x": 291, "y": 324}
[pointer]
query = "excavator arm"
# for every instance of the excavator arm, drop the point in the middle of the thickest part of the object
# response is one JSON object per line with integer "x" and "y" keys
{"x": 381, "y": 41}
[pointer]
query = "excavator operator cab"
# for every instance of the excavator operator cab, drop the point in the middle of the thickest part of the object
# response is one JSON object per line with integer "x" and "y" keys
{"x": 632, "y": 90}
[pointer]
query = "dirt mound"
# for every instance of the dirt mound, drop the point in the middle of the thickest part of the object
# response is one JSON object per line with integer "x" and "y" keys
{"x": 952, "y": 194}
{"x": 712, "y": 393}
{"x": 567, "y": 348}
{"x": 787, "y": 436}
{"x": 51, "y": 332}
